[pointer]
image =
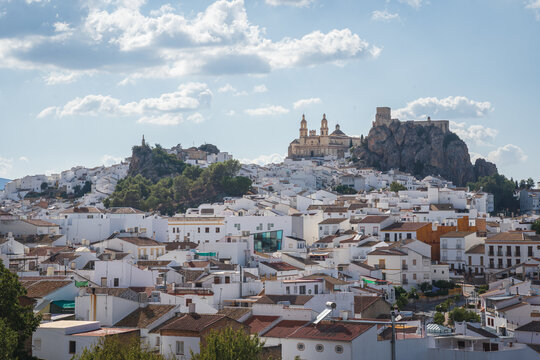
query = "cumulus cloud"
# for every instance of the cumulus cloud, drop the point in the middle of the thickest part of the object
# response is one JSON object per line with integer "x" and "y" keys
{"x": 414, "y": 3}
{"x": 478, "y": 134}
{"x": 296, "y": 3}
{"x": 23, "y": 158}
{"x": 508, "y": 154}
{"x": 166, "y": 109}
{"x": 451, "y": 107}
{"x": 534, "y": 5}
{"x": 109, "y": 160}
{"x": 306, "y": 102}
{"x": 267, "y": 110}
{"x": 260, "y": 88}
{"x": 226, "y": 88}
{"x": 384, "y": 15}
{"x": 265, "y": 159}
{"x": 57, "y": 77}
{"x": 5, "y": 166}
{"x": 121, "y": 37}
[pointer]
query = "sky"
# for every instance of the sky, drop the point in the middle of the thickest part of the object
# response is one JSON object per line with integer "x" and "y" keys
{"x": 82, "y": 81}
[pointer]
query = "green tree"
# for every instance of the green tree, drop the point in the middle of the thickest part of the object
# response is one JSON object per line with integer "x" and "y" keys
{"x": 112, "y": 348}
{"x": 536, "y": 226}
{"x": 502, "y": 190}
{"x": 395, "y": 187}
{"x": 344, "y": 189}
{"x": 438, "y": 318}
{"x": 460, "y": 314}
{"x": 209, "y": 148}
{"x": 17, "y": 322}
{"x": 229, "y": 344}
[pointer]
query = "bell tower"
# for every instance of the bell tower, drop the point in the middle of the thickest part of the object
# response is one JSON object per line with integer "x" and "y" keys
{"x": 324, "y": 126}
{"x": 303, "y": 127}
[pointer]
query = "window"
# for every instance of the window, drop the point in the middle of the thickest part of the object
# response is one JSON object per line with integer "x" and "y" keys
{"x": 414, "y": 262}
{"x": 173, "y": 230}
{"x": 414, "y": 276}
{"x": 104, "y": 281}
{"x": 179, "y": 348}
{"x": 37, "y": 344}
{"x": 530, "y": 251}
{"x": 300, "y": 346}
{"x": 207, "y": 230}
{"x": 319, "y": 348}
{"x": 157, "y": 341}
{"x": 217, "y": 230}
{"x": 409, "y": 236}
{"x": 72, "y": 347}
{"x": 116, "y": 282}
{"x": 339, "y": 349}
{"x": 188, "y": 301}
{"x": 288, "y": 290}
{"x": 199, "y": 230}
{"x": 386, "y": 237}
{"x": 316, "y": 289}
{"x": 302, "y": 289}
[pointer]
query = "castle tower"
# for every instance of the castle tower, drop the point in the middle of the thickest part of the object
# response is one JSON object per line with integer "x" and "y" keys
{"x": 324, "y": 126}
{"x": 303, "y": 127}
{"x": 143, "y": 143}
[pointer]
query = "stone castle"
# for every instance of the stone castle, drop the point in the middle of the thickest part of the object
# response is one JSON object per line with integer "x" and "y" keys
{"x": 311, "y": 145}
{"x": 383, "y": 118}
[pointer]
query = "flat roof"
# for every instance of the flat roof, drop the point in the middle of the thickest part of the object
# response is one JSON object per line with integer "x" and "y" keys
{"x": 63, "y": 324}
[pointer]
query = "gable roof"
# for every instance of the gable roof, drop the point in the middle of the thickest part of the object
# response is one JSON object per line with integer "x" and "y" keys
{"x": 331, "y": 331}
{"x": 193, "y": 322}
{"x": 235, "y": 313}
{"x": 143, "y": 317}
{"x": 533, "y": 326}
{"x": 332, "y": 221}
{"x": 41, "y": 288}
{"x": 477, "y": 249}
{"x": 258, "y": 323}
{"x": 140, "y": 241}
{"x": 280, "y": 266}
{"x": 373, "y": 219}
{"x": 292, "y": 299}
{"x": 457, "y": 234}
{"x": 284, "y": 328}
{"x": 406, "y": 226}
{"x": 363, "y": 302}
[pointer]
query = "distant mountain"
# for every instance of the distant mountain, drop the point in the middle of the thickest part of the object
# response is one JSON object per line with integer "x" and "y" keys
{"x": 3, "y": 182}
{"x": 421, "y": 151}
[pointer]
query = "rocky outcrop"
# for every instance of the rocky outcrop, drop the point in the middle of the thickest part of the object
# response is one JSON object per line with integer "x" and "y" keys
{"x": 421, "y": 151}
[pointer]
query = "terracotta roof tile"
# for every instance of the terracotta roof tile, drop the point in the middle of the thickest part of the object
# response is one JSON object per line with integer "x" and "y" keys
{"x": 258, "y": 323}
{"x": 143, "y": 317}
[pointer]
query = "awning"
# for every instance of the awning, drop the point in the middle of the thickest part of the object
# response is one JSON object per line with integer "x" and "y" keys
{"x": 81, "y": 284}
{"x": 65, "y": 304}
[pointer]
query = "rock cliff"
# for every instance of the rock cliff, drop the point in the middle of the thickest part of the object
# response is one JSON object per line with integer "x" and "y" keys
{"x": 421, "y": 151}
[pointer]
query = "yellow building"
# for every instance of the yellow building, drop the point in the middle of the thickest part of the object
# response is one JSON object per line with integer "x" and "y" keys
{"x": 313, "y": 145}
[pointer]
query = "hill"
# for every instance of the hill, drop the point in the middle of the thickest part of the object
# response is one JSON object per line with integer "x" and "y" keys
{"x": 421, "y": 151}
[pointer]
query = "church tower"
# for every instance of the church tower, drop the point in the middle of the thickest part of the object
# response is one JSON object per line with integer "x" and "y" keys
{"x": 324, "y": 126}
{"x": 303, "y": 127}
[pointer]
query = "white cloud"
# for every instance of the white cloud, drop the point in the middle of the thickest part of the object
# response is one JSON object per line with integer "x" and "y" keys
{"x": 165, "y": 119}
{"x": 508, "y": 154}
{"x": 23, "y": 158}
{"x": 230, "y": 113}
{"x": 226, "y": 88}
{"x": 56, "y": 77}
{"x": 267, "y": 110}
{"x": 414, "y": 3}
{"x": 451, "y": 107}
{"x": 264, "y": 159}
{"x": 306, "y": 102}
{"x": 241, "y": 93}
{"x": 534, "y": 5}
{"x": 163, "y": 110}
{"x": 296, "y": 3}
{"x": 384, "y": 15}
{"x": 5, "y": 166}
{"x": 478, "y": 134}
{"x": 260, "y": 88}
{"x": 122, "y": 37}
{"x": 109, "y": 160}
{"x": 49, "y": 111}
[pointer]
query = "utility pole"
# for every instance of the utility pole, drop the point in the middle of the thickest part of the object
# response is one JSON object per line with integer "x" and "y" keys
{"x": 393, "y": 341}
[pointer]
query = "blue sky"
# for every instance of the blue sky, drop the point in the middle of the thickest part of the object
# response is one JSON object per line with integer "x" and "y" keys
{"x": 82, "y": 81}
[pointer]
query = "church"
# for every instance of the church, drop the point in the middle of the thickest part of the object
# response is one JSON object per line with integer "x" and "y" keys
{"x": 312, "y": 145}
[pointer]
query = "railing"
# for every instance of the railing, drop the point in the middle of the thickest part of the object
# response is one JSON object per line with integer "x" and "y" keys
{"x": 508, "y": 253}
{"x": 404, "y": 267}
{"x": 405, "y": 281}
{"x": 499, "y": 253}
{"x": 491, "y": 253}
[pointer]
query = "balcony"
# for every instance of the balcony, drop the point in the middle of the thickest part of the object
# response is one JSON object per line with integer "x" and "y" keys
{"x": 499, "y": 253}
{"x": 405, "y": 281}
{"x": 508, "y": 253}
{"x": 491, "y": 253}
{"x": 404, "y": 267}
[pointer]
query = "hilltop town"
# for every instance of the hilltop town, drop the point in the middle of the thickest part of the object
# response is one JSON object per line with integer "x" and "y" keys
{"x": 322, "y": 256}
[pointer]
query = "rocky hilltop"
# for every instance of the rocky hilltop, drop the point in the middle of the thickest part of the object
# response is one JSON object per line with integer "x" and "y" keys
{"x": 421, "y": 151}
